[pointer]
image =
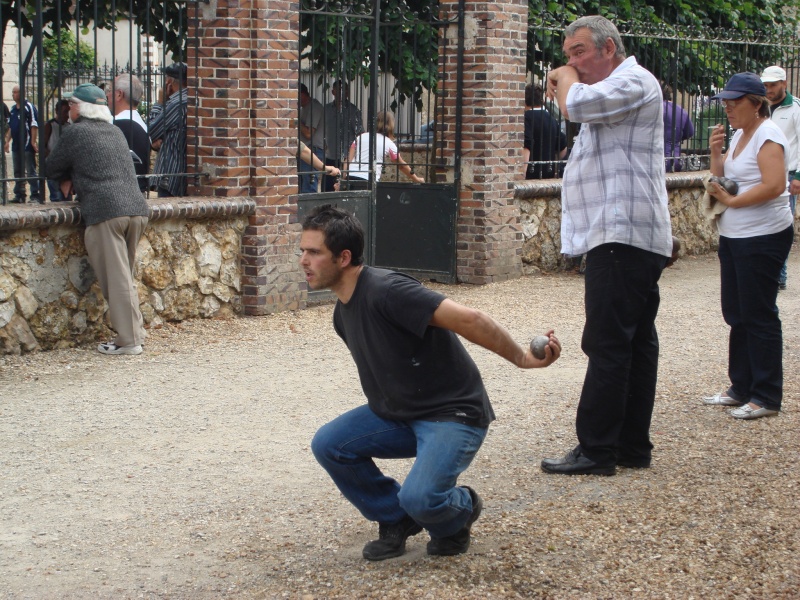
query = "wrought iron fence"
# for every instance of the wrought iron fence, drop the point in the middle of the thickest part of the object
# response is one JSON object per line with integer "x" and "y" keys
{"x": 389, "y": 58}
{"x": 691, "y": 64}
{"x": 49, "y": 50}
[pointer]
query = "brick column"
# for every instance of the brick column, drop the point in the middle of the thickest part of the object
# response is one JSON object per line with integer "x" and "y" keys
{"x": 489, "y": 246}
{"x": 247, "y": 64}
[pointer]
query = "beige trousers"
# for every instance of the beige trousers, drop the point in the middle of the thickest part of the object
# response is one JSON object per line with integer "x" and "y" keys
{"x": 111, "y": 246}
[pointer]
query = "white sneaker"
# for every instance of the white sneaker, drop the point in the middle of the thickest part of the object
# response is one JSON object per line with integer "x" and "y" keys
{"x": 721, "y": 399}
{"x": 748, "y": 412}
{"x": 112, "y": 348}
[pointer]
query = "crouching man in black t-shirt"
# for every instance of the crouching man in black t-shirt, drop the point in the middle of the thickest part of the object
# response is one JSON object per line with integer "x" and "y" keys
{"x": 425, "y": 396}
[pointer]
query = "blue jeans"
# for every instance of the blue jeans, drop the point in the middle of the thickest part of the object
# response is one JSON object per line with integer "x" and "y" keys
{"x": 346, "y": 447}
{"x": 620, "y": 339}
{"x": 792, "y": 205}
{"x": 749, "y": 269}
{"x": 55, "y": 191}
{"x": 30, "y": 172}
{"x": 309, "y": 180}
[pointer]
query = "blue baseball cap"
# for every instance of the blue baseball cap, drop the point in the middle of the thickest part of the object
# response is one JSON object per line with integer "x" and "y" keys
{"x": 740, "y": 85}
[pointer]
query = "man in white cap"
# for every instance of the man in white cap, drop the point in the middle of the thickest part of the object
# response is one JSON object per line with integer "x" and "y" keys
{"x": 785, "y": 110}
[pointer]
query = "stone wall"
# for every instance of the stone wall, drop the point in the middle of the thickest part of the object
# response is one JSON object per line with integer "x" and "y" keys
{"x": 188, "y": 265}
{"x": 190, "y": 260}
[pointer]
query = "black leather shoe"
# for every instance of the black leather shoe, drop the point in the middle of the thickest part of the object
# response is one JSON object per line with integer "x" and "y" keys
{"x": 575, "y": 463}
{"x": 458, "y": 543}
{"x": 391, "y": 540}
{"x": 634, "y": 463}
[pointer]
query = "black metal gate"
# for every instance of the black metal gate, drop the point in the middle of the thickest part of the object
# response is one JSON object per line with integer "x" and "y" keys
{"x": 390, "y": 55}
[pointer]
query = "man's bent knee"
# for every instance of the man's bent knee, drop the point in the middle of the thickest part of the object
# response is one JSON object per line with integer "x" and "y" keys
{"x": 323, "y": 443}
{"x": 424, "y": 506}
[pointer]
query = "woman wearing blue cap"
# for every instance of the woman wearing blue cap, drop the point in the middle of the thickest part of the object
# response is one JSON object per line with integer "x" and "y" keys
{"x": 92, "y": 160}
{"x": 756, "y": 234}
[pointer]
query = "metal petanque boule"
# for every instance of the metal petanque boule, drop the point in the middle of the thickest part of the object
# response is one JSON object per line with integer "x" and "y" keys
{"x": 538, "y": 345}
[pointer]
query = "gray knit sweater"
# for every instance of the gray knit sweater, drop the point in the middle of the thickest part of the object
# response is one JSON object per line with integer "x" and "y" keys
{"x": 95, "y": 156}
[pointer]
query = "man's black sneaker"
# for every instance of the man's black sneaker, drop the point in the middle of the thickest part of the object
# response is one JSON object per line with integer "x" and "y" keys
{"x": 391, "y": 540}
{"x": 458, "y": 543}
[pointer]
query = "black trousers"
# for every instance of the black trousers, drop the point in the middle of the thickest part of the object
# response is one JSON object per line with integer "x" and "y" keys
{"x": 620, "y": 339}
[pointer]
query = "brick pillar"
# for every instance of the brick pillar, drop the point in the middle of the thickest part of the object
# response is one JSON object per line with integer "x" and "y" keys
{"x": 247, "y": 63}
{"x": 489, "y": 246}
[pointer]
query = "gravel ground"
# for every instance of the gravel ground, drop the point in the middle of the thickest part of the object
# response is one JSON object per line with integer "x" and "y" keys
{"x": 185, "y": 473}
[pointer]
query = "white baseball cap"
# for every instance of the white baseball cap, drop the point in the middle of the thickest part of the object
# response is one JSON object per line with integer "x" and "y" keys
{"x": 772, "y": 74}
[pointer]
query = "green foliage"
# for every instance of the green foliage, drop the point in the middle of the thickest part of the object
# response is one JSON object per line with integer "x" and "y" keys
{"x": 166, "y": 20}
{"x": 714, "y": 111}
{"x": 62, "y": 49}
{"x": 736, "y": 37}
{"x": 341, "y": 44}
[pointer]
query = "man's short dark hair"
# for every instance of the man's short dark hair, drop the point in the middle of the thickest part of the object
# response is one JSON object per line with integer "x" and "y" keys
{"x": 341, "y": 229}
{"x": 304, "y": 89}
{"x": 343, "y": 86}
{"x": 534, "y": 95}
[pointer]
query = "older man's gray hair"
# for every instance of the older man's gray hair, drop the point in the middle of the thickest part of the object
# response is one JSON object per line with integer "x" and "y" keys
{"x": 601, "y": 29}
{"x": 131, "y": 87}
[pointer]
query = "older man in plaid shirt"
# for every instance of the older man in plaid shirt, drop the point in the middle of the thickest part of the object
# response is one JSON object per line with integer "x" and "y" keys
{"x": 614, "y": 200}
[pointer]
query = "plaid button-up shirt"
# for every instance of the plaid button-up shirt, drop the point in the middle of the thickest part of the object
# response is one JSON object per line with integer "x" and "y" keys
{"x": 614, "y": 188}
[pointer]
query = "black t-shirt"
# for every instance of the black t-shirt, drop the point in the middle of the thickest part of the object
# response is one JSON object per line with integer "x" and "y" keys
{"x": 409, "y": 370}
{"x": 139, "y": 142}
{"x": 545, "y": 141}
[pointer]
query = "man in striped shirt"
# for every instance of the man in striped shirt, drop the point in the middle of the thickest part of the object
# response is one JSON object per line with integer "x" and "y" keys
{"x": 614, "y": 209}
{"x": 167, "y": 130}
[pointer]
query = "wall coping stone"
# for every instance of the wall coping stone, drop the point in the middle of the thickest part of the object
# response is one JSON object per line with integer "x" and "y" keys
{"x": 542, "y": 188}
{"x": 33, "y": 216}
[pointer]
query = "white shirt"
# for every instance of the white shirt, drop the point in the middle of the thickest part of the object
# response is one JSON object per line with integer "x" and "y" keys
{"x": 787, "y": 117}
{"x": 384, "y": 147}
{"x": 132, "y": 115}
{"x": 772, "y": 216}
{"x": 614, "y": 186}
